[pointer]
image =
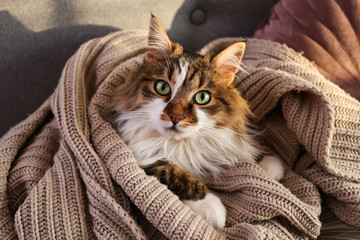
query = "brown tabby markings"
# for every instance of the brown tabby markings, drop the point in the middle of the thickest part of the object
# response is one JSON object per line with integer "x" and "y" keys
{"x": 226, "y": 109}
{"x": 202, "y": 74}
{"x": 180, "y": 182}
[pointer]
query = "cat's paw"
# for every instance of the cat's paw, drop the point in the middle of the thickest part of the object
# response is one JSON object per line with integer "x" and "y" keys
{"x": 273, "y": 166}
{"x": 210, "y": 208}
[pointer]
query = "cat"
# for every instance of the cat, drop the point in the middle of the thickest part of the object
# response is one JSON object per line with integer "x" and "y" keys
{"x": 184, "y": 120}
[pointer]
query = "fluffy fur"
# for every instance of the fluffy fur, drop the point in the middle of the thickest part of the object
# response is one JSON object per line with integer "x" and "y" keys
{"x": 210, "y": 208}
{"x": 202, "y": 149}
{"x": 183, "y": 109}
{"x": 210, "y": 137}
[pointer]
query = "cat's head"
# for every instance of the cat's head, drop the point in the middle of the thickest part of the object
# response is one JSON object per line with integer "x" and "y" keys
{"x": 180, "y": 94}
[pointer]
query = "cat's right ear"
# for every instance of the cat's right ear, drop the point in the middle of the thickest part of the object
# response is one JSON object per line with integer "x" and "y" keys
{"x": 227, "y": 63}
{"x": 159, "y": 43}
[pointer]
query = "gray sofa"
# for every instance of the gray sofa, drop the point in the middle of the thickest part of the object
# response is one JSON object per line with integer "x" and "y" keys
{"x": 37, "y": 37}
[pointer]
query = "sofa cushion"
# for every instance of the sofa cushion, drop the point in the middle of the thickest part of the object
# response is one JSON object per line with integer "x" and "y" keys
{"x": 326, "y": 31}
{"x": 37, "y": 38}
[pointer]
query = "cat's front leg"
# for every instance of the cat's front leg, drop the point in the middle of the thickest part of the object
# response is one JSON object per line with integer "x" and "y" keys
{"x": 191, "y": 190}
{"x": 210, "y": 208}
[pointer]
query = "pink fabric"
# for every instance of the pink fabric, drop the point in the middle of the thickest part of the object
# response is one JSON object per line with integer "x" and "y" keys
{"x": 327, "y": 32}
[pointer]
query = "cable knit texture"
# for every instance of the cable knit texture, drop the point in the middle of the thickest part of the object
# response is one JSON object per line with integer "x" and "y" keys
{"x": 66, "y": 173}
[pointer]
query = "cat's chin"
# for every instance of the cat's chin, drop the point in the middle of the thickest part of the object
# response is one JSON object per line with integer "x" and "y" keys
{"x": 174, "y": 133}
{"x": 177, "y": 132}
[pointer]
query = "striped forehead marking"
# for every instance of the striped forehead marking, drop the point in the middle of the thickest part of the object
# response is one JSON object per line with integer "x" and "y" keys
{"x": 180, "y": 77}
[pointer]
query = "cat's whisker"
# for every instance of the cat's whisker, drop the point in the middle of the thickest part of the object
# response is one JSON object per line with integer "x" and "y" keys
{"x": 123, "y": 120}
{"x": 238, "y": 80}
{"x": 258, "y": 132}
{"x": 239, "y": 134}
{"x": 219, "y": 134}
{"x": 160, "y": 64}
{"x": 243, "y": 70}
{"x": 135, "y": 113}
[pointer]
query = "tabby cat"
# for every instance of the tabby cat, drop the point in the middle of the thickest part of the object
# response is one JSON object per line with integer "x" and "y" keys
{"x": 182, "y": 117}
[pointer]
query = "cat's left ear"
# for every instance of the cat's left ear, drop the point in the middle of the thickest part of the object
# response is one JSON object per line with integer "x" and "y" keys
{"x": 159, "y": 43}
{"x": 227, "y": 62}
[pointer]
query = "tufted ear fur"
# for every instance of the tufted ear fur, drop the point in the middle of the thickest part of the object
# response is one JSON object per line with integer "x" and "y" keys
{"x": 159, "y": 44}
{"x": 227, "y": 62}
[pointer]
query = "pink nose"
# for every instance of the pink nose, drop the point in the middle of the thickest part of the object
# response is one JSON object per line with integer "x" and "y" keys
{"x": 175, "y": 118}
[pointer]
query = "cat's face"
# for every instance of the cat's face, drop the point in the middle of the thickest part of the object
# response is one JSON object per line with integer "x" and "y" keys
{"x": 180, "y": 94}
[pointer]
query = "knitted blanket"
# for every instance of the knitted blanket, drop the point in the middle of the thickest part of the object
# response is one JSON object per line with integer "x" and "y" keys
{"x": 66, "y": 173}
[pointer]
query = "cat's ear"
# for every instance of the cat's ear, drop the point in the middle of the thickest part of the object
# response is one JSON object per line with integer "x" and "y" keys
{"x": 227, "y": 62}
{"x": 159, "y": 43}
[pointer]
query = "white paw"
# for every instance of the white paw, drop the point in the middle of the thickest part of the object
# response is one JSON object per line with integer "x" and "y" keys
{"x": 273, "y": 166}
{"x": 210, "y": 208}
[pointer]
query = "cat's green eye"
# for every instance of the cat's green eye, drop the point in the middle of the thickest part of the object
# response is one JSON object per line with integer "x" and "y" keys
{"x": 162, "y": 88}
{"x": 202, "y": 97}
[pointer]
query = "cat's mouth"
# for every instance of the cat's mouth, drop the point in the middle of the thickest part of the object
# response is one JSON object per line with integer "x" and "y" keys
{"x": 174, "y": 128}
{"x": 174, "y": 132}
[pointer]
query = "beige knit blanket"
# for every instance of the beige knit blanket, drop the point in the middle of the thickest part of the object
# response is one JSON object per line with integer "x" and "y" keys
{"x": 66, "y": 173}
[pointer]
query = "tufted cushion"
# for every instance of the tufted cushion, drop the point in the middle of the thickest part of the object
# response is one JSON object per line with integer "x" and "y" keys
{"x": 326, "y": 31}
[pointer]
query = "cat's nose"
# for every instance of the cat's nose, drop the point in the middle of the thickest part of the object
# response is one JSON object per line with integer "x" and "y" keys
{"x": 175, "y": 118}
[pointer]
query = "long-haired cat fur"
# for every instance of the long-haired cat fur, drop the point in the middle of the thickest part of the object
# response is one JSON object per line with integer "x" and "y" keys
{"x": 182, "y": 117}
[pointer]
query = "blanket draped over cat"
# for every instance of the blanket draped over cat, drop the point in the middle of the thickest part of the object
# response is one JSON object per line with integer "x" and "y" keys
{"x": 66, "y": 173}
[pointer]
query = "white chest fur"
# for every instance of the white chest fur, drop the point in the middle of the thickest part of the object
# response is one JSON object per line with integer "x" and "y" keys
{"x": 207, "y": 151}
